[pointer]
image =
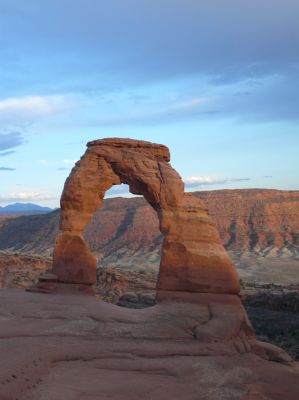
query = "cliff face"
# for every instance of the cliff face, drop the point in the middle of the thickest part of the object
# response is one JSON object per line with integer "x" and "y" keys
{"x": 125, "y": 232}
{"x": 255, "y": 219}
{"x": 30, "y": 233}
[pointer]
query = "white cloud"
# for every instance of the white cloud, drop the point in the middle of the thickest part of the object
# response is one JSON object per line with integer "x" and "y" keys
{"x": 69, "y": 162}
{"x": 195, "y": 181}
{"x": 25, "y": 196}
{"x": 34, "y": 106}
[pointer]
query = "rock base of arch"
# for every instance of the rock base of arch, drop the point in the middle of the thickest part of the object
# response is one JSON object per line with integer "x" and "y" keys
{"x": 49, "y": 283}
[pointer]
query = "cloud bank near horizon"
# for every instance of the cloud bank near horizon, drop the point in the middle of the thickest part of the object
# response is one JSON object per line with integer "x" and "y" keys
{"x": 25, "y": 197}
{"x": 199, "y": 181}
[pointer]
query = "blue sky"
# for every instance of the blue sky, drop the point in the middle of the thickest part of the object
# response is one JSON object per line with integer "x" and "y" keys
{"x": 216, "y": 81}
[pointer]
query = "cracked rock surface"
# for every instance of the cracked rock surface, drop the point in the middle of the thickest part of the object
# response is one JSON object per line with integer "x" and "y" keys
{"x": 74, "y": 347}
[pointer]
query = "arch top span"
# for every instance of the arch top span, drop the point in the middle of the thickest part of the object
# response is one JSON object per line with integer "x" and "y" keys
{"x": 159, "y": 152}
{"x": 193, "y": 258}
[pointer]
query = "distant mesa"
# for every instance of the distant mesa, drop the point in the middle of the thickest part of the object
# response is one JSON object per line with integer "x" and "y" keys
{"x": 259, "y": 228}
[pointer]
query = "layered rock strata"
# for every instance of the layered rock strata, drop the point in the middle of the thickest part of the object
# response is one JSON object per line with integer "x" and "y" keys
{"x": 125, "y": 232}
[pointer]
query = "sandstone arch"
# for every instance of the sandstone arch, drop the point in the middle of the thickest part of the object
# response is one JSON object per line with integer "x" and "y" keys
{"x": 193, "y": 258}
{"x": 194, "y": 267}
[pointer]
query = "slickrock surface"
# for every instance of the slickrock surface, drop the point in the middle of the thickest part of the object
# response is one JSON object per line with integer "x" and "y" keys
{"x": 272, "y": 310}
{"x": 193, "y": 258}
{"x": 77, "y": 348}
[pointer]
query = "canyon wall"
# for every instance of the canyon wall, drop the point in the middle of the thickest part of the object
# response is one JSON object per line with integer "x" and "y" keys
{"x": 125, "y": 233}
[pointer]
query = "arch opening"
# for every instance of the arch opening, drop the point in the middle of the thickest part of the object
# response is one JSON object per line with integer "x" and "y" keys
{"x": 124, "y": 237}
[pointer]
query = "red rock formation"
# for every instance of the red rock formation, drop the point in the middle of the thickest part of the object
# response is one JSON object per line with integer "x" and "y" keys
{"x": 193, "y": 258}
{"x": 197, "y": 284}
{"x": 72, "y": 260}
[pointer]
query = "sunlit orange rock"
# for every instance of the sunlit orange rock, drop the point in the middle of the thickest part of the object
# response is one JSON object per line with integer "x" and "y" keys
{"x": 193, "y": 258}
{"x": 72, "y": 260}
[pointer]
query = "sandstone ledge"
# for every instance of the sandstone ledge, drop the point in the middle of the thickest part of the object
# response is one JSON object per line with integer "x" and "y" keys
{"x": 75, "y": 347}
